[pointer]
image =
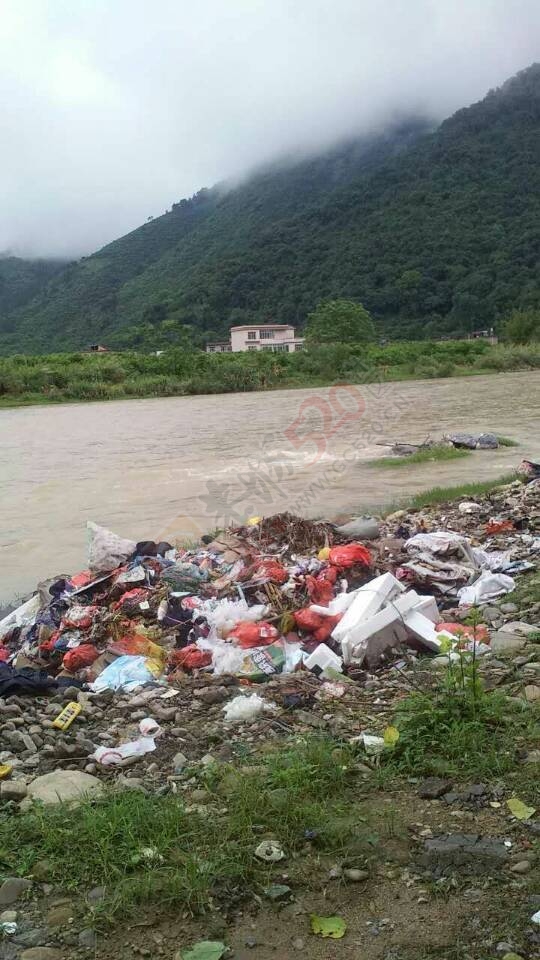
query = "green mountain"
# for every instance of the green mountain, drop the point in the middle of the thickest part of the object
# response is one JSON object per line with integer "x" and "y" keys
{"x": 433, "y": 231}
{"x": 21, "y": 280}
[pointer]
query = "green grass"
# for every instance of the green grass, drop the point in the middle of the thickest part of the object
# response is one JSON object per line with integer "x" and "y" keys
{"x": 444, "y": 735}
{"x": 507, "y": 442}
{"x": 457, "y": 729}
{"x": 436, "y": 495}
{"x": 439, "y": 451}
{"x": 527, "y": 591}
{"x": 148, "y": 850}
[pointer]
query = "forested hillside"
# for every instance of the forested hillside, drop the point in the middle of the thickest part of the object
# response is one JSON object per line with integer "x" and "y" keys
{"x": 21, "y": 280}
{"x": 434, "y": 232}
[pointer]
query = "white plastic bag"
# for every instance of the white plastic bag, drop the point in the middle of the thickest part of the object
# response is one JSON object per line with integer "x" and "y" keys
{"x": 244, "y": 709}
{"x": 226, "y": 657}
{"x": 487, "y": 587}
{"x": 108, "y": 756}
{"x": 223, "y": 615}
{"x": 107, "y": 550}
{"x": 23, "y": 616}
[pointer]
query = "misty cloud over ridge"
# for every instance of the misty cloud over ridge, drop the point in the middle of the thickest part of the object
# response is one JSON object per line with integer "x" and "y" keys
{"x": 114, "y": 109}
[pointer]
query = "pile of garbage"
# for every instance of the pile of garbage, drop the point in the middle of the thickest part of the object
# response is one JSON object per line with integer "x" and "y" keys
{"x": 319, "y": 604}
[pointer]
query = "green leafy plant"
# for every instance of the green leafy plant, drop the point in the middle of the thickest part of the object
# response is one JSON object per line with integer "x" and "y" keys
{"x": 457, "y": 728}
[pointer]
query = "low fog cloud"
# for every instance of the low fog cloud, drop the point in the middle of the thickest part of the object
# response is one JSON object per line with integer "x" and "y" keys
{"x": 114, "y": 109}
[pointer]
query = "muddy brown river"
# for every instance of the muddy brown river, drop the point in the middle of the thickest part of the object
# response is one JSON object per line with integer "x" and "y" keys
{"x": 178, "y": 467}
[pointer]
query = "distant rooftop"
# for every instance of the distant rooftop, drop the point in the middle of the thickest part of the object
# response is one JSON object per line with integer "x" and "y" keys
{"x": 264, "y": 326}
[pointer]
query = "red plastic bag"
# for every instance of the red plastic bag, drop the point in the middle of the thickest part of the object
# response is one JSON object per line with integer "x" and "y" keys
{"x": 131, "y": 600}
{"x": 190, "y": 658}
{"x": 320, "y": 626}
{"x": 48, "y": 645}
{"x": 79, "y": 617}
{"x": 349, "y": 555}
{"x": 247, "y": 634}
{"x": 321, "y": 587}
{"x": 499, "y": 526}
{"x": 480, "y": 633}
{"x": 271, "y": 570}
{"x": 82, "y": 656}
{"x": 81, "y": 579}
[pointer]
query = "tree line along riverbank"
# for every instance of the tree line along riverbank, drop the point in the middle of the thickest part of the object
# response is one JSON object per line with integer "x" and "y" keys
{"x": 57, "y": 378}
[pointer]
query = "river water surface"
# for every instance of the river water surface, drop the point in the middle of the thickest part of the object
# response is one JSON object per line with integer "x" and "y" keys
{"x": 165, "y": 468}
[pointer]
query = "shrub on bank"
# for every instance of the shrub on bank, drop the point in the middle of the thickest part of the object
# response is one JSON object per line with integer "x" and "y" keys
{"x": 79, "y": 376}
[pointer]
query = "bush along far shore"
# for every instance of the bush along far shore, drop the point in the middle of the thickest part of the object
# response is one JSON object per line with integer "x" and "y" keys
{"x": 57, "y": 378}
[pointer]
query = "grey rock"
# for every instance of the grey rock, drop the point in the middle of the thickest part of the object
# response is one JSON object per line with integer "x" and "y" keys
{"x": 85, "y": 747}
{"x": 13, "y": 790}
{"x": 433, "y": 787}
{"x": 88, "y": 939}
{"x": 474, "y": 790}
{"x": 468, "y": 853}
{"x": 519, "y": 626}
{"x": 531, "y": 692}
{"x": 212, "y": 695}
{"x": 61, "y": 786}
{"x": 522, "y": 866}
{"x": 451, "y": 797}
{"x": 130, "y": 783}
{"x": 162, "y": 713}
{"x": 10, "y": 709}
{"x": 32, "y": 762}
{"x": 509, "y": 608}
{"x": 360, "y": 528}
{"x": 179, "y": 762}
{"x": 506, "y": 644}
{"x": 11, "y": 889}
{"x": 60, "y": 915}
{"x": 96, "y": 895}
{"x": 487, "y": 441}
{"x": 490, "y": 613}
{"x": 8, "y": 950}
{"x": 33, "y": 938}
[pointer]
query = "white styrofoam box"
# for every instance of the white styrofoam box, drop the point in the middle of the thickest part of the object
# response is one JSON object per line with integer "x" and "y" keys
{"x": 369, "y": 599}
{"x": 428, "y": 607}
{"x": 372, "y": 648}
{"x": 322, "y": 658}
{"x": 423, "y": 630}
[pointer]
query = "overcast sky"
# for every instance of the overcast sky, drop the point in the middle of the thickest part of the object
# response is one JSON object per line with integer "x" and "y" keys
{"x": 114, "y": 109}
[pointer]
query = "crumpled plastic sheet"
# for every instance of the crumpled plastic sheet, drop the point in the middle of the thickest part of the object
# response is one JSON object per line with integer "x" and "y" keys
{"x": 127, "y": 673}
{"x": 107, "y": 550}
{"x": 487, "y": 587}
{"x": 446, "y": 558}
{"x": 23, "y": 616}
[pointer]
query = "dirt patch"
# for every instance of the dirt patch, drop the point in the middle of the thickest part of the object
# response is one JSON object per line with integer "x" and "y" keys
{"x": 399, "y": 913}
